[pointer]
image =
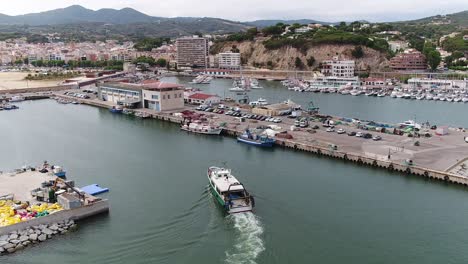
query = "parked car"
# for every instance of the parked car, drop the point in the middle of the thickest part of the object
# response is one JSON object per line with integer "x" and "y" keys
{"x": 330, "y": 129}
{"x": 277, "y": 120}
{"x": 351, "y": 133}
{"x": 376, "y": 138}
{"x": 341, "y": 131}
{"x": 359, "y": 134}
{"x": 367, "y": 135}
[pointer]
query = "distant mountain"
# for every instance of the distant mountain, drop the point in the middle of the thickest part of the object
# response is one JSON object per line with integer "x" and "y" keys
{"x": 78, "y": 14}
{"x": 272, "y": 22}
{"x": 79, "y": 22}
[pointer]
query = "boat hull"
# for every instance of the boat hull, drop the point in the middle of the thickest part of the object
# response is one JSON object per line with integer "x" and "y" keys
{"x": 197, "y": 131}
{"x": 221, "y": 202}
{"x": 256, "y": 143}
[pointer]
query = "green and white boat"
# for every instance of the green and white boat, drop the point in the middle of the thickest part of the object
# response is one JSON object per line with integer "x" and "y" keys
{"x": 229, "y": 192}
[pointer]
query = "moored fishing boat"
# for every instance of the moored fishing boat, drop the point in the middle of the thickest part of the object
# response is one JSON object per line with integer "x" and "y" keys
{"x": 256, "y": 140}
{"x": 229, "y": 192}
{"x": 116, "y": 109}
{"x": 142, "y": 115}
{"x": 17, "y": 98}
{"x": 200, "y": 128}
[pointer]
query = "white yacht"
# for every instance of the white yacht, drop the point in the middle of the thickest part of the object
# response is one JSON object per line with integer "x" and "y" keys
{"x": 200, "y": 128}
{"x": 17, "y": 98}
{"x": 229, "y": 192}
{"x": 259, "y": 102}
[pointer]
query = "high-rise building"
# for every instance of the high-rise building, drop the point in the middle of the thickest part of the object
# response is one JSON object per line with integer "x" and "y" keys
{"x": 192, "y": 52}
{"x": 338, "y": 68}
{"x": 229, "y": 60}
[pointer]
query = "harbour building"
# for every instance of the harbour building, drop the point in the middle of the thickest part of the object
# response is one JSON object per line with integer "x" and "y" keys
{"x": 192, "y": 52}
{"x": 161, "y": 96}
{"x": 157, "y": 96}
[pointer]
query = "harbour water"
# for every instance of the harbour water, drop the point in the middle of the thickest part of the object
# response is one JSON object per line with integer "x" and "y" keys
{"x": 383, "y": 109}
{"x": 309, "y": 209}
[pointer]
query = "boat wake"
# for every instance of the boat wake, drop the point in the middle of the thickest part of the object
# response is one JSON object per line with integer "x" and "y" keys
{"x": 249, "y": 243}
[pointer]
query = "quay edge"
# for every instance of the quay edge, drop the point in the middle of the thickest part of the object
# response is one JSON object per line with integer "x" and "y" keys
{"x": 80, "y": 213}
{"x": 352, "y": 157}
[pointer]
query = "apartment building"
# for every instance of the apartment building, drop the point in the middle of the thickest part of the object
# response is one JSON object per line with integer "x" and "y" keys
{"x": 338, "y": 68}
{"x": 409, "y": 60}
{"x": 229, "y": 60}
{"x": 192, "y": 52}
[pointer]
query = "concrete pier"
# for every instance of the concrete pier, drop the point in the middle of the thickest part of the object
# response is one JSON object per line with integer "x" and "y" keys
{"x": 437, "y": 157}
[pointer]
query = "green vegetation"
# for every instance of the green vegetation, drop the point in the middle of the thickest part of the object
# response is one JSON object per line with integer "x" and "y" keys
{"x": 357, "y": 52}
{"x": 147, "y": 44}
{"x": 299, "y": 63}
{"x": 327, "y": 37}
{"x": 432, "y": 55}
{"x": 310, "y": 61}
{"x": 243, "y": 36}
{"x": 456, "y": 44}
{"x": 52, "y": 76}
{"x": 275, "y": 30}
{"x": 108, "y": 65}
{"x": 36, "y": 38}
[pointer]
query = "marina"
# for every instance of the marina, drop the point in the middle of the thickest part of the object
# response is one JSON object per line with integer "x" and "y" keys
{"x": 326, "y": 186}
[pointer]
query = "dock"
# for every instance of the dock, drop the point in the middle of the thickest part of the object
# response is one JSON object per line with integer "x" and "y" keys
{"x": 19, "y": 185}
{"x": 438, "y": 157}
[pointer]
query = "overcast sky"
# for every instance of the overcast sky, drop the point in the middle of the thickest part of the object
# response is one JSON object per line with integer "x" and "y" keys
{"x": 243, "y": 10}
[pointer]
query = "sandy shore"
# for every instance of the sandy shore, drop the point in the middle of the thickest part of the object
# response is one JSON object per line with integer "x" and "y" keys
{"x": 15, "y": 80}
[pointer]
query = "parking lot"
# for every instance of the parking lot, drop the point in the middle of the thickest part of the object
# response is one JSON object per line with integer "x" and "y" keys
{"x": 435, "y": 152}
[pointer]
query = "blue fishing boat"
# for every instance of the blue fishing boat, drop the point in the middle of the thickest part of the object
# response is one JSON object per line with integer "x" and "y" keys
{"x": 116, "y": 109}
{"x": 59, "y": 172}
{"x": 256, "y": 140}
{"x": 10, "y": 107}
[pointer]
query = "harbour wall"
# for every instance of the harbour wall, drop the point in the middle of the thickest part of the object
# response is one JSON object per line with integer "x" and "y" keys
{"x": 357, "y": 158}
{"x": 39, "y": 89}
{"x": 64, "y": 215}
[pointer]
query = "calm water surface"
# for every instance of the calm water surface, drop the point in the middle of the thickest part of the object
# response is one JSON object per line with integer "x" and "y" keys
{"x": 309, "y": 209}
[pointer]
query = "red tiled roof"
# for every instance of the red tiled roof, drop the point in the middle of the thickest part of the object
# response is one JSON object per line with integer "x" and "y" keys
{"x": 201, "y": 96}
{"x": 149, "y": 81}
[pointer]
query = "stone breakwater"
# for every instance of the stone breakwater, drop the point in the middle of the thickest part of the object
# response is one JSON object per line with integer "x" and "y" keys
{"x": 18, "y": 240}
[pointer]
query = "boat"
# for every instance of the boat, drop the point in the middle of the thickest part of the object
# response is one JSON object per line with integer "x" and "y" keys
{"x": 256, "y": 140}
{"x": 229, "y": 192}
{"x": 127, "y": 111}
{"x": 457, "y": 99}
{"x": 142, "y": 115}
{"x": 59, "y": 172}
{"x": 116, "y": 109}
{"x": 381, "y": 94}
{"x": 465, "y": 99}
{"x": 17, "y": 98}
{"x": 259, "y": 102}
{"x": 356, "y": 92}
{"x": 202, "y": 79}
{"x": 237, "y": 89}
{"x": 201, "y": 128}
{"x": 10, "y": 107}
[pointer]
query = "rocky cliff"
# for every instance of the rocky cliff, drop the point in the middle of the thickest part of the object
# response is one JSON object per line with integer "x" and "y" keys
{"x": 255, "y": 54}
